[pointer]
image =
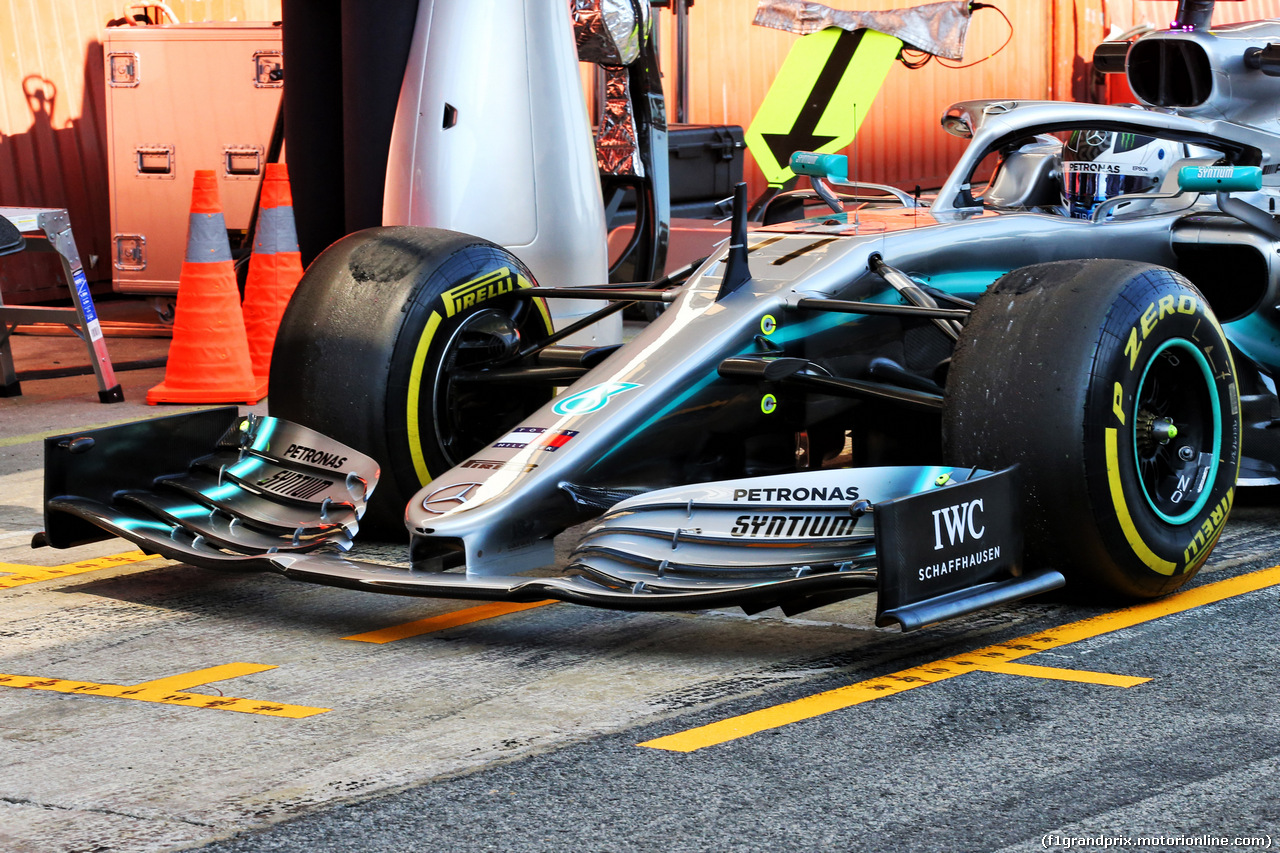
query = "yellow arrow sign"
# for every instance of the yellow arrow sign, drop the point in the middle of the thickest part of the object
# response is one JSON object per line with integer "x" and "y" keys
{"x": 820, "y": 96}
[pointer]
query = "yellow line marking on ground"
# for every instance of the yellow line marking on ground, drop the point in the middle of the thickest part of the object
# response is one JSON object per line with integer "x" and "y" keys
{"x": 1054, "y": 673}
{"x": 444, "y": 621}
{"x": 187, "y": 680}
{"x": 170, "y": 691}
{"x": 17, "y": 574}
{"x": 999, "y": 655}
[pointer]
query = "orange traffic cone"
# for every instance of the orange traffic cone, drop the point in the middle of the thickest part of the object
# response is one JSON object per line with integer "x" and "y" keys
{"x": 209, "y": 356}
{"x": 274, "y": 268}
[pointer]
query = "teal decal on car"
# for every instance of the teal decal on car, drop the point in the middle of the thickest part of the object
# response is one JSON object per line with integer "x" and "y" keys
{"x": 591, "y": 400}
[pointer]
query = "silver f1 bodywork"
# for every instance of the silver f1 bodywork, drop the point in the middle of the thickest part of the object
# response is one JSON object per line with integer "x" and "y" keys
{"x": 634, "y": 437}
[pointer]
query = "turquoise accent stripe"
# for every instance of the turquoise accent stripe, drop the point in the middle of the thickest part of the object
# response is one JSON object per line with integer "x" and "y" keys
{"x": 784, "y": 334}
{"x": 1206, "y": 373}
{"x": 969, "y": 283}
{"x": 962, "y": 283}
{"x": 1257, "y": 338}
{"x": 659, "y": 415}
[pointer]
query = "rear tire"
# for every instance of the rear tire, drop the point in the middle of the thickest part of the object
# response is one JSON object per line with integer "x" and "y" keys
{"x": 369, "y": 345}
{"x": 1111, "y": 384}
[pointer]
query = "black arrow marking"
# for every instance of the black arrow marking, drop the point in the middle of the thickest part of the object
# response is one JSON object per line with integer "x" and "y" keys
{"x": 801, "y": 137}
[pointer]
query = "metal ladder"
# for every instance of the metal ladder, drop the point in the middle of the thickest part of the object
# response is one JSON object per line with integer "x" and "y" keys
{"x": 47, "y": 229}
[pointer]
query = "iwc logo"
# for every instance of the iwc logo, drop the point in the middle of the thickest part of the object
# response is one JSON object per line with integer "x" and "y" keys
{"x": 449, "y": 497}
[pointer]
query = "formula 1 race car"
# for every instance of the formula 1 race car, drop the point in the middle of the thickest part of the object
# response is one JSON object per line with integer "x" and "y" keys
{"x": 893, "y": 396}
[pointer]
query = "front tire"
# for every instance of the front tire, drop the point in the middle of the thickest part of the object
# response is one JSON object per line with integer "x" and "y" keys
{"x": 1112, "y": 385}
{"x": 372, "y": 343}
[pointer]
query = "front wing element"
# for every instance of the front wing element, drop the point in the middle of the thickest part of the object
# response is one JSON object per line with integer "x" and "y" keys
{"x": 578, "y": 589}
{"x": 943, "y": 551}
{"x": 209, "y": 488}
{"x": 223, "y": 491}
{"x": 950, "y": 540}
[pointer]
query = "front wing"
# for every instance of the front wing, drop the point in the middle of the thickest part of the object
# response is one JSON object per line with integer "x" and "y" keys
{"x": 259, "y": 493}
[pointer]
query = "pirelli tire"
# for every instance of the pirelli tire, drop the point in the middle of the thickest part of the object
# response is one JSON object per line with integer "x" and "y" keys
{"x": 372, "y": 341}
{"x": 1112, "y": 385}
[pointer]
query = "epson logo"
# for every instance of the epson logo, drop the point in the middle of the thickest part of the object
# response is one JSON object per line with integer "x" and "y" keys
{"x": 959, "y": 521}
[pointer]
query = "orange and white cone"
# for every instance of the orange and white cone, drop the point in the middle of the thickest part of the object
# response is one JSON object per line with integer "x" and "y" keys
{"x": 274, "y": 268}
{"x": 209, "y": 356}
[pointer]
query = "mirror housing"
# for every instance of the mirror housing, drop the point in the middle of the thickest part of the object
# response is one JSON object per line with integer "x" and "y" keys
{"x": 833, "y": 167}
{"x": 1219, "y": 179}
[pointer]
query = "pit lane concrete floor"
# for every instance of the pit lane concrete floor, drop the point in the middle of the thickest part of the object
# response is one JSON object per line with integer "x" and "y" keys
{"x": 524, "y": 731}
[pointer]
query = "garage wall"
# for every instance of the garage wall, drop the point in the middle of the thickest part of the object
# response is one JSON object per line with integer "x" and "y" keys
{"x": 53, "y": 126}
{"x": 732, "y": 64}
{"x": 1079, "y": 25}
{"x": 52, "y": 129}
{"x": 1124, "y": 13}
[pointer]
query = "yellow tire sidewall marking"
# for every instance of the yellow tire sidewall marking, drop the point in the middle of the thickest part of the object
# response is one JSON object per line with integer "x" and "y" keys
{"x": 415, "y": 383}
{"x": 415, "y": 386}
{"x": 1131, "y": 535}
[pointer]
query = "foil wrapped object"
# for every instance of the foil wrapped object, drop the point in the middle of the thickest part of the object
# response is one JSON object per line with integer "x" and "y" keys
{"x": 608, "y": 32}
{"x": 936, "y": 28}
{"x": 617, "y": 143}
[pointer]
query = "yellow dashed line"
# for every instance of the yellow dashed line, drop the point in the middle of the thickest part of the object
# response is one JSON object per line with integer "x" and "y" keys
{"x": 994, "y": 658}
{"x": 170, "y": 691}
{"x": 16, "y": 574}
{"x": 443, "y": 622}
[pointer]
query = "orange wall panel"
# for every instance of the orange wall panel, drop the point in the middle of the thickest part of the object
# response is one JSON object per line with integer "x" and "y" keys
{"x": 52, "y": 143}
{"x": 732, "y": 63}
{"x": 1126, "y": 13}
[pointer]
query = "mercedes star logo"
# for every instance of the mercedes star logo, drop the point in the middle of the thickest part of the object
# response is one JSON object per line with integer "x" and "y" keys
{"x": 448, "y": 497}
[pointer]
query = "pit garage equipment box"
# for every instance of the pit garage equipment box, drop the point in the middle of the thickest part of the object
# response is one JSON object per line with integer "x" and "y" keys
{"x": 179, "y": 98}
{"x": 706, "y": 163}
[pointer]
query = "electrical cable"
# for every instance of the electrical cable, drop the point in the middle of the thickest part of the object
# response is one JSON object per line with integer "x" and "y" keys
{"x": 973, "y": 7}
{"x": 914, "y": 58}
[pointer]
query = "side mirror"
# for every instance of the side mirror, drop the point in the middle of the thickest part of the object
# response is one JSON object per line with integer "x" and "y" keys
{"x": 1219, "y": 179}
{"x": 834, "y": 167}
{"x": 956, "y": 122}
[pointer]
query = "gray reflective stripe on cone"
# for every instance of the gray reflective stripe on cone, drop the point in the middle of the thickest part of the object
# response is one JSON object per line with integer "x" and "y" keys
{"x": 207, "y": 239}
{"x": 276, "y": 231}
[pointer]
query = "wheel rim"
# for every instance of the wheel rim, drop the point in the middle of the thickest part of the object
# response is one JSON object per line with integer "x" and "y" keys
{"x": 1177, "y": 433}
{"x": 467, "y": 416}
